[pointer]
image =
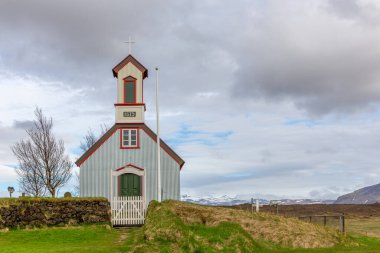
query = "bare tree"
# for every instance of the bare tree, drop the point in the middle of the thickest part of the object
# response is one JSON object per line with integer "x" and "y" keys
{"x": 43, "y": 156}
{"x": 90, "y": 138}
{"x": 103, "y": 129}
{"x": 30, "y": 182}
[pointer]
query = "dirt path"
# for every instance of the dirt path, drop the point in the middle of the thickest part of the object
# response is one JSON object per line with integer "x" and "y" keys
{"x": 124, "y": 233}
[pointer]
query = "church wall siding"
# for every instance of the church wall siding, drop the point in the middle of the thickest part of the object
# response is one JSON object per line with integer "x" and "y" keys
{"x": 95, "y": 171}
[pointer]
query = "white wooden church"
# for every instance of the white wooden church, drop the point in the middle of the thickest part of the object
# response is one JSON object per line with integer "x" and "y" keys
{"x": 122, "y": 164}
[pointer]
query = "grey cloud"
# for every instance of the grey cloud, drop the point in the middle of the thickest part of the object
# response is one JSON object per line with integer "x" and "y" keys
{"x": 315, "y": 54}
{"x": 22, "y": 124}
{"x": 256, "y": 172}
{"x": 363, "y": 13}
{"x": 300, "y": 52}
{"x": 321, "y": 64}
{"x": 327, "y": 193}
{"x": 8, "y": 137}
{"x": 78, "y": 43}
{"x": 345, "y": 8}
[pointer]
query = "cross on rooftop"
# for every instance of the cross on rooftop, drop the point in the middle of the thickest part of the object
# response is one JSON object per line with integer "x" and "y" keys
{"x": 130, "y": 42}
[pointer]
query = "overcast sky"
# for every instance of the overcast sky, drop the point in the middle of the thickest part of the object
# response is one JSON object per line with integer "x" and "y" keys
{"x": 261, "y": 98}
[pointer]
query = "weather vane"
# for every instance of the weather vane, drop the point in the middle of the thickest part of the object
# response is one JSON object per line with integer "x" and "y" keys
{"x": 130, "y": 42}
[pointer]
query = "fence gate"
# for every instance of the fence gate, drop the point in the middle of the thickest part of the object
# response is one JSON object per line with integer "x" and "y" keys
{"x": 127, "y": 210}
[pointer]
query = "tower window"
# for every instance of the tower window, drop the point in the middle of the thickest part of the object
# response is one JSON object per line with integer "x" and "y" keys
{"x": 129, "y": 138}
{"x": 130, "y": 90}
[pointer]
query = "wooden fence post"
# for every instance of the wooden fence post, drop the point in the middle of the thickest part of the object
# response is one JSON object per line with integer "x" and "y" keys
{"x": 341, "y": 223}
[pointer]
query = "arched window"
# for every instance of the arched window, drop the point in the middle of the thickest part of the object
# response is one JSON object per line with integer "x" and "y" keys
{"x": 130, "y": 90}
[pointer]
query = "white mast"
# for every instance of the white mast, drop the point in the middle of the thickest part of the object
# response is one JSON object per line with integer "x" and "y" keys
{"x": 158, "y": 144}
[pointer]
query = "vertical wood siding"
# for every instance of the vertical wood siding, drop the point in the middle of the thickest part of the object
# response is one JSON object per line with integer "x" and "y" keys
{"x": 95, "y": 172}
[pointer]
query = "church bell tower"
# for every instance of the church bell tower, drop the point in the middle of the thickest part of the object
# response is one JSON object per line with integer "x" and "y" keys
{"x": 130, "y": 106}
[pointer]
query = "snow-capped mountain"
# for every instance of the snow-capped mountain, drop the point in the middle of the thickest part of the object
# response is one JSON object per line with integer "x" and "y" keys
{"x": 226, "y": 200}
{"x": 214, "y": 201}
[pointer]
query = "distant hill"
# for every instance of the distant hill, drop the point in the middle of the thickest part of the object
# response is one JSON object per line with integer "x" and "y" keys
{"x": 366, "y": 195}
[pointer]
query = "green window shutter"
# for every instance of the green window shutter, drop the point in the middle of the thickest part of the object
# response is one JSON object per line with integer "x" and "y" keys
{"x": 130, "y": 92}
{"x": 136, "y": 186}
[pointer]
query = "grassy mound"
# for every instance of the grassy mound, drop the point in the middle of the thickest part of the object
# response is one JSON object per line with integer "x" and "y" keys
{"x": 183, "y": 227}
{"x": 288, "y": 232}
{"x": 164, "y": 225}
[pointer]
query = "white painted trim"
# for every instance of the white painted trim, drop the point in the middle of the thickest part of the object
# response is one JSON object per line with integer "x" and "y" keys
{"x": 144, "y": 189}
{"x": 127, "y": 210}
{"x": 132, "y": 170}
{"x": 129, "y": 132}
{"x": 128, "y": 169}
{"x": 111, "y": 189}
{"x": 122, "y": 206}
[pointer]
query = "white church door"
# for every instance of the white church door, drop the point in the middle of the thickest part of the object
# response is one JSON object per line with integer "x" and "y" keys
{"x": 128, "y": 203}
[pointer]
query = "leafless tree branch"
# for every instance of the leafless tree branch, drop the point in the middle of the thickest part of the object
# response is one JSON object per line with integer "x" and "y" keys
{"x": 90, "y": 138}
{"x": 42, "y": 159}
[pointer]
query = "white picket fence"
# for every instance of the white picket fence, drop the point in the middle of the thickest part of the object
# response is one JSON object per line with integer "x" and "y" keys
{"x": 128, "y": 210}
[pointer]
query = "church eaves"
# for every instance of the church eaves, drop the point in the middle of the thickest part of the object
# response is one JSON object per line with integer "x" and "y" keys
{"x": 135, "y": 62}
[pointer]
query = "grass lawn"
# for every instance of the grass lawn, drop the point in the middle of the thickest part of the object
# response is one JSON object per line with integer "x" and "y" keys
{"x": 100, "y": 239}
{"x": 366, "y": 245}
{"x": 74, "y": 239}
{"x": 180, "y": 227}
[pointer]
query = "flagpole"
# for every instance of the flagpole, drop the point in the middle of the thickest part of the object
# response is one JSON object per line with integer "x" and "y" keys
{"x": 158, "y": 144}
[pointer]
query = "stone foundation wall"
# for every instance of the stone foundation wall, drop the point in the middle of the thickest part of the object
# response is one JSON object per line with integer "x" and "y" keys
{"x": 31, "y": 212}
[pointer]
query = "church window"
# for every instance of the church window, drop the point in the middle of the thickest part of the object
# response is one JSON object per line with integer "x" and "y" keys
{"x": 129, "y": 138}
{"x": 130, "y": 90}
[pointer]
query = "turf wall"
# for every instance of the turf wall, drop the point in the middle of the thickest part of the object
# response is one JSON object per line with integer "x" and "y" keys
{"x": 40, "y": 212}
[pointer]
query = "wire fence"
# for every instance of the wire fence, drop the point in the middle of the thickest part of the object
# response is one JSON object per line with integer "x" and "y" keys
{"x": 336, "y": 221}
{"x": 331, "y": 220}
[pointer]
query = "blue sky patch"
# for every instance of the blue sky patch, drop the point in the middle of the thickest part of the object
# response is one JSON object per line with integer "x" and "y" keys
{"x": 207, "y": 138}
{"x": 301, "y": 122}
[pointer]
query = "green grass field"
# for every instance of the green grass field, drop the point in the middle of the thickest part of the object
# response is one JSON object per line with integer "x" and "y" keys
{"x": 100, "y": 239}
{"x": 177, "y": 227}
{"x": 73, "y": 239}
